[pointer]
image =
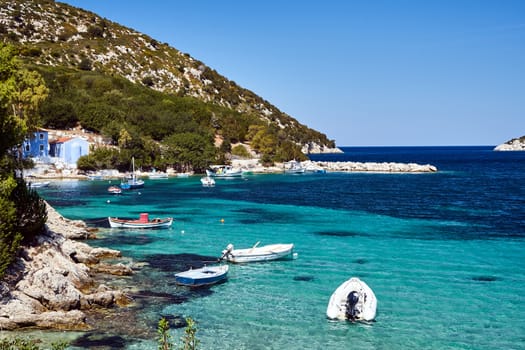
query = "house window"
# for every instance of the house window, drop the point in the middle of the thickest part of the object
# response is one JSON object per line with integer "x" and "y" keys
{"x": 41, "y": 148}
{"x": 41, "y": 136}
{"x": 28, "y": 148}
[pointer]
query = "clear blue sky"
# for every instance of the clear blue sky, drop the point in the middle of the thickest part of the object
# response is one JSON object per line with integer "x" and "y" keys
{"x": 367, "y": 72}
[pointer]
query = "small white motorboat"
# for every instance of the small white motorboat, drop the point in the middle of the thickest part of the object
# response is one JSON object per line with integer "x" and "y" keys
{"x": 293, "y": 167}
{"x": 114, "y": 190}
{"x": 223, "y": 171}
{"x": 142, "y": 222}
{"x": 204, "y": 276}
{"x": 157, "y": 175}
{"x": 255, "y": 254}
{"x": 354, "y": 301}
{"x": 38, "y": 184}
{"x": 207, "y": 181}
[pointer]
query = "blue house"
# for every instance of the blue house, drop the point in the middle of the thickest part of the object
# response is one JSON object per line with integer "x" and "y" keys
{"x": 36, "y": 145}
{"x": 69, "y": 149}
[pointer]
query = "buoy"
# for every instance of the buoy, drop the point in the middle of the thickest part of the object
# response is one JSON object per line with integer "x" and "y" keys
{"x": 222, "y": 221}
{"x": 108, "y": 201}
{"x": 182, "y": 231}
{"x": 140, "y": 193}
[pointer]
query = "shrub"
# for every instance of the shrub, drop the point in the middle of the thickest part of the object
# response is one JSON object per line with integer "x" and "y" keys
{"x": 18, "y": 343}
{"x": 148, "y": 81}
{"x": 95, "y": 31}
{"x": 241, "y": 151}
{"x": 31, "y": 52}
{"x": 164, "y": 339}
{"x": 10, "y": 238}
{"x": 31, "y": 211}
{"x": 85, "y": 64}
{"x": 189, "y": 340}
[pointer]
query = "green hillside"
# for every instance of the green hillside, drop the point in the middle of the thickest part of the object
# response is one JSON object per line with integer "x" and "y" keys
{"x": 112, "y": 79}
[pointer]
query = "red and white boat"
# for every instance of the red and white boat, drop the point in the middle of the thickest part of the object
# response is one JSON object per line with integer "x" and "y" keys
{"x": 143, "y": 222}
{"x": 114, "y": 190}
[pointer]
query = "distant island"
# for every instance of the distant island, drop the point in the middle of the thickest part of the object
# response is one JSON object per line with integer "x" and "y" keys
{"x": 516, "y": 144}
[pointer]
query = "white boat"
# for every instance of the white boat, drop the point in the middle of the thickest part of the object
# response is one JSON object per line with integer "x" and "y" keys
{"x": 354, "y": 301}
{"x": 142, "y": 222}
{"x": 293, "y": 167}
{"x": 207, "y": 181}
{"x": 156, "y": 175}
{"x": 184, "y": 175}
{"x": 223, "y": 171}
{"x": 255, "y": 253}
{"x": 38, "y": 184}
{"x": 132, "y": 182}
{"x": 204, "y": 276}
{"x": 114, "y": 190}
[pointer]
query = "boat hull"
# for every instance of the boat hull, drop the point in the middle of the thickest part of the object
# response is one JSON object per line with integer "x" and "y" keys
{"x": 38, "y": 184}
{"x": 114, "y": 190}
{"x": 205, "y": 276}
{"x": 361, "y": 308}
{"x": 223, "y": 171}
{"x": 258, "y": 254}
{"x": 155, "y": 223}
{"x": 207, "y": 181}
{"x": 132, "y": 185}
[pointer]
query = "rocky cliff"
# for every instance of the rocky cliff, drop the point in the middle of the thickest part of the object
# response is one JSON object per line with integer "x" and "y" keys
{"x": 51, "y": 284}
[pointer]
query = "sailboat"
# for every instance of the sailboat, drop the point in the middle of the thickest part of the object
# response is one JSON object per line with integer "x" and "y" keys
{"x": 133, "y": 182}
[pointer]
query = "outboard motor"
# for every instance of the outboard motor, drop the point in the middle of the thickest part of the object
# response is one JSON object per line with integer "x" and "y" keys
{"x": 351, "y": 302}
{"x": 226, "y": 251}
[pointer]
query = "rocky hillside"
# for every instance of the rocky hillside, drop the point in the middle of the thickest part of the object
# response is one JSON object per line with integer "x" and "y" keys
{"x": 56, "y": 34}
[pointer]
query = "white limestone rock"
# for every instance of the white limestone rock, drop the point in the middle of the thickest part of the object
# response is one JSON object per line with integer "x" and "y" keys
{"x": 314, "y": 148}
{"x": 49, "y": 285}
{"x": 512, "y": 145}
{"x": 374, "y": 167}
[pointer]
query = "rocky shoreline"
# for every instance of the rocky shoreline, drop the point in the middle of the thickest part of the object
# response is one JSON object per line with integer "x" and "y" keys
{"x": 512, "y": 145}
{"x": 52, "y": 283}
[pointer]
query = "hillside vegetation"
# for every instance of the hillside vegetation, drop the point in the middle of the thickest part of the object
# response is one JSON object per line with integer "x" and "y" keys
{"x": 116, "y": 81}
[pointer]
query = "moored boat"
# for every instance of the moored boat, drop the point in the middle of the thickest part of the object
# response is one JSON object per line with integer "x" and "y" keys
{"x": 293, "y": 167}
{"x": 142, "y": 222}
{"x": 354, "y": 301}
{"x": 204, "y": 276}
{"x": 207, "y": 181}
{"x": 114, "y": 190}
{"x": 132, "y": 182}
{"x": 223, "y": 171}
{"x": 38, "y": 184}
{"x": 256, "y": 253}
{"x": 157, "y": 175}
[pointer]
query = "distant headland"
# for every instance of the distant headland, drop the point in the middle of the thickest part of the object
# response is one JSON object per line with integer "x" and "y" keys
{"x": 516, "y": 144}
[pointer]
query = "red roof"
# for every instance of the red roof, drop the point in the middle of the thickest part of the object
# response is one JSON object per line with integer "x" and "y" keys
{"x": 62, "y": 140}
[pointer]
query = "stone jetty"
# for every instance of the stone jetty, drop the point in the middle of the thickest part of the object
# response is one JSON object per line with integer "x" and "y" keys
{"x": 51, "y": 284}
{"x": 373, "y": 167}
{"x": 254, "y": 166}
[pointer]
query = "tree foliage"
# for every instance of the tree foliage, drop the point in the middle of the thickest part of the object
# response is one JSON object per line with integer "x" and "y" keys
{"x": 128, "y": 114}
{"x": 23, "y": 213}
{"x": 190, "y": 151}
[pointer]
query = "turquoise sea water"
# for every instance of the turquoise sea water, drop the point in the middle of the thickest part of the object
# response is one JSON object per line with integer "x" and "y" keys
{"x": 443, "y": 252}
